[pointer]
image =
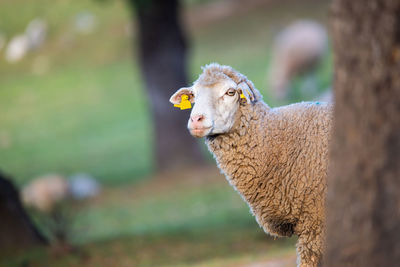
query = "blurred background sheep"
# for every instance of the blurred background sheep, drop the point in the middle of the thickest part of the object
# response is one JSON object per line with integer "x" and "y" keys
{"x": 44, "y": 193}
{"x": 33, "y": 37}
{"x": 297, "y": 50}
{"x": 52, "y": 197}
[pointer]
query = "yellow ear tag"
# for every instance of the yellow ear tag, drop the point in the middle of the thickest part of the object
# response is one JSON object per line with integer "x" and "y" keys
{"x": 185, "y": 103}
{"x": 243, "y": 96}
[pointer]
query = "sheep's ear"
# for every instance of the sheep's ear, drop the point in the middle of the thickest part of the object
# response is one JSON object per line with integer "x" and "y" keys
{"x": 245, "y": 91}
{"x": 176, "y": 97}
{"x": 250, "y": 93}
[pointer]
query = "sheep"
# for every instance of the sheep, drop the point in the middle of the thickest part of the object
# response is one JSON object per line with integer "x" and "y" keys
{"x": 20, "y": 45}
{"x": 36, "y": 32}
{"x": 297, "y": 49}
{"x": 17, "y": 48}
{"x": 276, "y": 158}
{"x": 83, "y": 186}
{"x": 43, "y": 193}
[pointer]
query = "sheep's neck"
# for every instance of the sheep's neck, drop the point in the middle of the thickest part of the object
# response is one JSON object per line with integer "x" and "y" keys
{"x": 236, "y": 152}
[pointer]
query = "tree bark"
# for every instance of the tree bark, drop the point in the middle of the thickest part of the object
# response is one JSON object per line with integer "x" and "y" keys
{"x": 363, "y": 202}
{"x": 16, "y": 228}
{"x": 162, "y": 52}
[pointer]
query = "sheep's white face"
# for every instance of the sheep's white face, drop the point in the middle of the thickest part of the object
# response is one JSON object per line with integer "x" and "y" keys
{"x": 214, "y": 107}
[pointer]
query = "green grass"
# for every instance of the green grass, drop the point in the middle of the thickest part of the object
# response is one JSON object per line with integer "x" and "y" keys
{"x": 181, "y": 221}
{"x": 175, "y": 211}
{"x": 90, "y": 120}
{"x": 212, "y": 249}
{"x": 85, "y": 111}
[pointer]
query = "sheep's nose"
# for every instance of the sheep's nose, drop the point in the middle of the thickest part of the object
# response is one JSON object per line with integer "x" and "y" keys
{"x": 197, "y": 118}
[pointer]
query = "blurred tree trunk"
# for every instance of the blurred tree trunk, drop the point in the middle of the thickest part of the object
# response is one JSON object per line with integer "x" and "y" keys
{"x": 162, "y": 52}
{"x": 16, "y": 229}
{"x": 363, "y": 204}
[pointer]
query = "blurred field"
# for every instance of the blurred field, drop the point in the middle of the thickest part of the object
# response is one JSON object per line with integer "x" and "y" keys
{"x": 86, "y": 110}
{"x": 174, "y": 221}
{"x": 78, "y": 105}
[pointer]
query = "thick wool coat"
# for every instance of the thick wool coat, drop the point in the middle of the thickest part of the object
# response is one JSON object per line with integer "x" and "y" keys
{"x": 277, "y": 159}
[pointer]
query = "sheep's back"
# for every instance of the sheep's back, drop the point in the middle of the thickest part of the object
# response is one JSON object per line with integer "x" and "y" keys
{"x": 298, "y": 140}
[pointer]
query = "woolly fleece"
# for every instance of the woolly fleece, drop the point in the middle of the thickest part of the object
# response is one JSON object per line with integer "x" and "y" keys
{"x": 277, "y": 159}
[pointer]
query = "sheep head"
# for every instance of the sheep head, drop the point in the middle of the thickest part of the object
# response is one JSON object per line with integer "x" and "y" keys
{"x": 217, "y": 97}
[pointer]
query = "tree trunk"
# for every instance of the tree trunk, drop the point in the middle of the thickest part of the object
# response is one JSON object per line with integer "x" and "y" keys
{"x": 16, "y": 229}
{"x": 162, "y": 52}
{"x": 363, "y": 203}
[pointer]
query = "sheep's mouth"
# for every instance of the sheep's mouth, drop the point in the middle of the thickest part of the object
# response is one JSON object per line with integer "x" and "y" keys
{"x": 200, "y": 132}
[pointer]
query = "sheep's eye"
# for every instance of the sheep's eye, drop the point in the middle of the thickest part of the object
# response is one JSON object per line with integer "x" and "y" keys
{"x": 231, "y": 92}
